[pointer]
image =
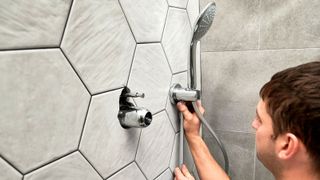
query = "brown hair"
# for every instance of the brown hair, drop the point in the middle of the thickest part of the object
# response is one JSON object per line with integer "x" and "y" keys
{"x": 293, "y": 102}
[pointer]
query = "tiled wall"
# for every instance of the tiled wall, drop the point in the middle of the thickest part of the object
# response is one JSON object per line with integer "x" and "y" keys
{"x": 248, "y": 42}
{"x": 63, "y": 65}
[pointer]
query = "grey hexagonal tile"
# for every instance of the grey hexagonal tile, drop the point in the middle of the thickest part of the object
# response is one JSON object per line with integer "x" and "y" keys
{"x": 193, "y": 11}
{"x": 73, "y": 166}
{"x": 99, "y": 45}
{"x": 171, "y": 109}
{"x": 146, "y": 18}
{"x": 7, "y": 172}
{"x": 151, "y": 75}
{"x": 167, "y": 175}
{"x": 155, "y": 146}
{"x": 44, "y": 107}
{"x": 178, "y": 3}
{"x": 27, "y": 24}
{"x": 130, "y": 172}
{"x": 174, "y": 160}
{"x": 105, "y": 143}
{"x": 176, "y": 39}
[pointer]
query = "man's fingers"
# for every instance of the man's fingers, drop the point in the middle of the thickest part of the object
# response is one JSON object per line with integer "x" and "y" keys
{"x": 184, "y": 109}
{"x": 178, "y": 173}
{"x": 202, "y": 110}
{"x": 185, "y": 171}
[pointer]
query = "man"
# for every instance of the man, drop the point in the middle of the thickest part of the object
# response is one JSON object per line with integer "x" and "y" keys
{"x": 287, "y": 125}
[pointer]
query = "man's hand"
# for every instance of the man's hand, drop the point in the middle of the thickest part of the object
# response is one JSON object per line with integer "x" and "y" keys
{"x": 191, "y": 120}
{"x": 182, "y": 174}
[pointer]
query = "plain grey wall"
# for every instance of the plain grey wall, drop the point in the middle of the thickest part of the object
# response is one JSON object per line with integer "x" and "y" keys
{"x": 248, "y": 42}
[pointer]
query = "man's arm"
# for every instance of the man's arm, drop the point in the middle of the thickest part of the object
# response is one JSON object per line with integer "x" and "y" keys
{"x": 208, "y": 168}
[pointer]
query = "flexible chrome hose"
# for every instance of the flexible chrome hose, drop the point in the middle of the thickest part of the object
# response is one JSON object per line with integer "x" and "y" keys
{"x": 203, "y": 120}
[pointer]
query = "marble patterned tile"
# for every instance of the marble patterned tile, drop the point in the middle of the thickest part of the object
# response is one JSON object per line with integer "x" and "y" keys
{"x": 235, "y": 26}
{"x": 151, "y": 75}
{"x": 167, "y": 175}
{"x": 232, "y": 81}
{"x": 28, "y": 24}
{"x": 73, "y": 166}
{"x": 193, "y": 11}
{"x": 155, "y": 146}
{"x": 171, "y": 109}
{"x": 174, "y": 160}
{"x": 44, "y": 107}
{"x": 240, "y": 148}
{"x": 130, "y": 172}
{"x": 176, "y": 39}
{"x": 105, "y": 143}
{"x": 290, "y": 24}
{"x": 7, "y": 172}
{"x": 146, "y": 18}
{"x": 178, "y": 3}
{"x": 99, "y": 45}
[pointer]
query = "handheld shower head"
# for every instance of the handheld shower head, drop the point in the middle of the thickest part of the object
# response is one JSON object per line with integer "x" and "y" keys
{"x": 204, "y": 21}
{"x": 201, "y": 27}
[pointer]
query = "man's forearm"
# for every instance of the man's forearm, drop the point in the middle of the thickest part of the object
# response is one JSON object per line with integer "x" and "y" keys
{"x": 208, "y": 168}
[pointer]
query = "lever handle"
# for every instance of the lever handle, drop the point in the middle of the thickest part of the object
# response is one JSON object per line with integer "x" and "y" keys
{"x": 134, "y": 95}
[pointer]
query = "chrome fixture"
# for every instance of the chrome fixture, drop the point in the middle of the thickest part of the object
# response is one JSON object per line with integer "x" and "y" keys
{"x": 191, "y": 94}
{"x": 131, "y": 116}
{"x": 177, "y": 93}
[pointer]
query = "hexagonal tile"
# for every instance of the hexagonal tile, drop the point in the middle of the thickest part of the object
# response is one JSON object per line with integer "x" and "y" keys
{"x": 193, "y": 11}
{"x": 155, "y": 146}
{"x": 7, "y": 172}
{"x": 44, "y": 107}
{"x": 27, "y": 24}
{"x": 99, "y": 45}
{"x": 167, "y": 175}
{"x": 146, "y": 18}
{"x": 105, "y": 143}
{"x": 178, "y": 3}
{"x": 151, "y": 75}
{"x": 176, "y": 39}
{"x": 73, "y": 166}
{"x": 171, "y": 109}
{"x": 128, "y": 173}
{"x": 174, "y": 160}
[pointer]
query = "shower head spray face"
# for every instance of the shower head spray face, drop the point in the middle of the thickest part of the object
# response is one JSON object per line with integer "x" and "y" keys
{"x": 204, "y": 21}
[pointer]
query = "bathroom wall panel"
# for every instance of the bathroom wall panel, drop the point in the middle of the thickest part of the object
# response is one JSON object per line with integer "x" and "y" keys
{"x": 107, "y": 145}
{"x": 292, "y": 24}
{"x": 150, "y": 74}
{"x": 32, "y": 24}
{"x": 146, "y": 18}
{"x": 155, "y": 146}
{"x": 240, "y": 149}
{"x": 232, "y": 80}
{"x": 99, "y": 44}
{"x": 73, "y": 166}
{"x": 7, "y": 172}
{"x": 176, "y": 39}
{"x": 178, "y": 3}
{"x": 130, "y": 172}
{"x": 165, "y": 175}
{"x": 39, "y": 121}
{"x": 235, "y": 26}
{"x": 193, "y": 11}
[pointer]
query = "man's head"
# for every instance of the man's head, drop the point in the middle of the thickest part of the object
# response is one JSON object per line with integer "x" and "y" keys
{"x": 289, "y": 122}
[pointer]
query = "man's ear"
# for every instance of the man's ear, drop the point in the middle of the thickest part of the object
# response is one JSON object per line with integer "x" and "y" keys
{"x": 287, "y": 145}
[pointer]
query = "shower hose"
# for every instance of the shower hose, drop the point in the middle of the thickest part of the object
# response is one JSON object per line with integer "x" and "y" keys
{"x": 204, "y": 121}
